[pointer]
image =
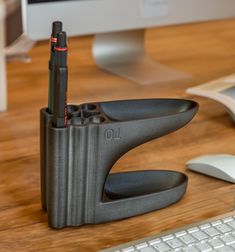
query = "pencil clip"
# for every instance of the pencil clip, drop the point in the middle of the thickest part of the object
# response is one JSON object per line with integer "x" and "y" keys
{"x": 76, "y": 161}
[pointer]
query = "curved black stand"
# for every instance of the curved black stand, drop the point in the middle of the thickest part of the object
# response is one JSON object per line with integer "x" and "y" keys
{"x": 76, "y": 161}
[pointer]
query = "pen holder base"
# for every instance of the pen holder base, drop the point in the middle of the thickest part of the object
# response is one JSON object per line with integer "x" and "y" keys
{"x": 76, "y": 186}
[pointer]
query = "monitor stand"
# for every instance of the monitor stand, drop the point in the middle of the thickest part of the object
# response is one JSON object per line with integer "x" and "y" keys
{"x": 123, "y": 54}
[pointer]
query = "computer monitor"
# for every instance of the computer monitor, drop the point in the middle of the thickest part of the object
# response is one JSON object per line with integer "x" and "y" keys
{"x": 119, "y": 28}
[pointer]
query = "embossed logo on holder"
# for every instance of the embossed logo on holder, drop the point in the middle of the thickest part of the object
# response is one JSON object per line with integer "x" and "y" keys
{"x": 76, "y": 186}
{"x": 113, "y": 134}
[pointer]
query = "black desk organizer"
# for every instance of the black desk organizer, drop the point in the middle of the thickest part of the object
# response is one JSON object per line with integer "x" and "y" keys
{"x": 75, "y": 161}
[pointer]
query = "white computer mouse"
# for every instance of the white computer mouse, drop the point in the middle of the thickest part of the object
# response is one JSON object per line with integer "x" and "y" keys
{"x": 220, "y": 166}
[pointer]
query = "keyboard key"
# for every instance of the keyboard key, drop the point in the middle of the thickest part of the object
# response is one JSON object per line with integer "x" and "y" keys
{"x": 215, "y": 223}
{"x": 225, "y": 249}
{"x": 178, "y": 234}
{"x": 175, "y": 243}
{"x": 224, "y": 228}
{"x": 168, "y": 237}
{"x": 205, "y": 226}
{"x": 194, "y": 229}
{"x": 141, "y": 245}
{"x": 191, "y": 249}
{"x": 211, "y": 231}
{"x": 216, "y": 243}
{"x": 152, "y": 242}
{"x": 200, "y": 235}
{"x": 129, "y": 249}
{"x": 203, "y": 247}
{"x": 228, "y": 219}
{"x": 162, "y": 247}
{"x": 147, "y": 249}
{"x": 232, "y": 224}
{"x": 187, "y": 239}
{"x": 233, "y": 246}
{"x": 227, "y": 239}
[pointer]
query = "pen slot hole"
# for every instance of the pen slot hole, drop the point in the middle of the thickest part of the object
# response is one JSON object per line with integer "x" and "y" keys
{"x": 97, "y": 119}
{"x": 73, "y": 109}
{"x": 89, "y": 107}
{"x": 87, "y": 114}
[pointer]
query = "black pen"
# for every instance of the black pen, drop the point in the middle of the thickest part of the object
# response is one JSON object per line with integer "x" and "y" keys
{"x": 56, "y": 28}
{"x": 60, "y": 82}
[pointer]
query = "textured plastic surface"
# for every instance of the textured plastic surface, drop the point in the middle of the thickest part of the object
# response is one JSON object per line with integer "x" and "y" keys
{"x": 76, "y": 161}
{"x": 138, "y": 183}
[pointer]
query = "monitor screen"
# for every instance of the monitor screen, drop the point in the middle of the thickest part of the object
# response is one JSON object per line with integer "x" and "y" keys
{"x": 82, "y": 17}
{"x": 43, "y": 1}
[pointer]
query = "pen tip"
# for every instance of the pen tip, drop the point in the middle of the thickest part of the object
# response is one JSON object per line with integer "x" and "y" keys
{"x": 61, "y": 39}
{"x": 56, "y": 28}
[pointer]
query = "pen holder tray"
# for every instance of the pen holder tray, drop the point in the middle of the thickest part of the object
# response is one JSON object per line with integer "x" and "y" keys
{"x": 76, "y": 187}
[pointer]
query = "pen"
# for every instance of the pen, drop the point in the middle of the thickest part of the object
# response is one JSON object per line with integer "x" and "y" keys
{"x": 56, "y": 28}
{"x": 60, "y": 82}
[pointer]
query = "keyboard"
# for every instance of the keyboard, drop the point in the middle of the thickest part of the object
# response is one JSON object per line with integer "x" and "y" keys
{"x": 221, "y": 90}
{"x": 217, "y": 234}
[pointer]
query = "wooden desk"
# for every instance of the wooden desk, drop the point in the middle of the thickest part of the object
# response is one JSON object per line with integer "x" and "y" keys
{"x": 207, "y": 50}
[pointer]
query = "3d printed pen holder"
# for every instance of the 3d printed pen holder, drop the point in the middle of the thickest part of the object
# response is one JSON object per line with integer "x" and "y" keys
{"x": 76, "y": 187}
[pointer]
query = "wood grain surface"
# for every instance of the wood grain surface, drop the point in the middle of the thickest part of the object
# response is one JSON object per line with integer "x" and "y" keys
{"x": 207, "y": 50}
